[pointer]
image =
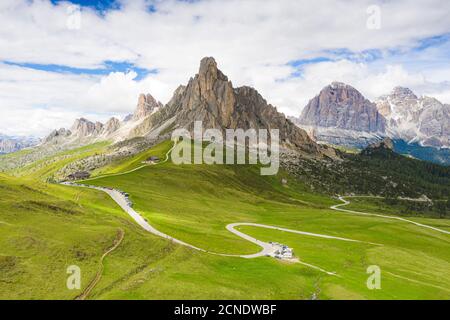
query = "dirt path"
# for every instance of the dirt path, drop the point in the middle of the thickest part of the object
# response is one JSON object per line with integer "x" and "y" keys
{"x": 98, "y": 276}
{"x": 346, "y": 202}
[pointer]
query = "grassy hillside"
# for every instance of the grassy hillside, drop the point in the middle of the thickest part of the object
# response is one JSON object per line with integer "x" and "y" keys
{"x": 432, "y": 209}
{"x": 47, "y": 167}
{"x": 42, "y": 234}
{"x": 44, "y": 228}
{"x": 194, "y": 203}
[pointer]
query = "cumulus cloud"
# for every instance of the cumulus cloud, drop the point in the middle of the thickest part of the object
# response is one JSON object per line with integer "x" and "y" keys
{"x": 253, "y": 42}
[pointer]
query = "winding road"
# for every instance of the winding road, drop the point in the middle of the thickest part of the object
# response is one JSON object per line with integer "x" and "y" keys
{"x": 268, "y": 249}
{"x": 346, "y": 202}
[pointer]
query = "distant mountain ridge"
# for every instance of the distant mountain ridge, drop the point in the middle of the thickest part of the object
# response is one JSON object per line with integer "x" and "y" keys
{"x": 424, "y": 120}
{"x": 84, "y": 131}
{"x": 340, "y": 115}
{"x": 9, "y": 144}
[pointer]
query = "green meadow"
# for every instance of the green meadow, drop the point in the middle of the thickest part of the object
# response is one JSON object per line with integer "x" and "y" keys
{"x": 44, "y": 228}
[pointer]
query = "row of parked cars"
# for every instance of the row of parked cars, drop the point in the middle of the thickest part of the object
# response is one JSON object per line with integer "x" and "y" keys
{"x": 127, "y": 198}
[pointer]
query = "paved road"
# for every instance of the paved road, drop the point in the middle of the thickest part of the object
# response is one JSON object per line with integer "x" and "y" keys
{"x": 346, "y": 202}
{"x": 120, "y": 199}
{"x": 268, "y": 249}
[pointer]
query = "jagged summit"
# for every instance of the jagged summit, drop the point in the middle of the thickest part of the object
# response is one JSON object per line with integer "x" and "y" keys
{"x": 146, "y": 106}
{"x": 341, "y": 115}
{"x": 418, "y": 119}
{"x": 208, "y": 69}
{"x": 57, "y": 133}
{"x": 112, "y": 125}
{"x": 340, "y": 85}
{"x": 83, "y": 128}
{"x": 211, "y": 98}
{"x": 403, "y": 92}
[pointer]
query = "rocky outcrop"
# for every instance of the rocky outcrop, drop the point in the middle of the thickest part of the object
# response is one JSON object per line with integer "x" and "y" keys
{"x": 8, "y": 146}
{"x": 145, "y": 107}
{"x": 83, "y": 128}
{"x": 83, "y": 131}
{"x": 386, "y": 143}
{"x": 384, "y": 146}
{"x": 57, "y": 134}
{"x": 343, "y": 107}
{"x": 111, "y": 126}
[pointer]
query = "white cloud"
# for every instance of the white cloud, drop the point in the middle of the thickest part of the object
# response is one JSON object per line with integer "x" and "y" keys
{"x": 252, "y": 41}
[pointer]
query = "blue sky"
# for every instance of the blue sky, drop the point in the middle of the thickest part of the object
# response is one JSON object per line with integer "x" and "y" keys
{"x": 105, "y": 69}
{"x": 100, "y": 5}
{"x": 58, "y": 63}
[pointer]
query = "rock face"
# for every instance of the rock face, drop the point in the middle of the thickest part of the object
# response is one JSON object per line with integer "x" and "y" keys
{"x": 210, "y": 97}
{"x": 83, "y": 128}
{"x": 341, "y": 115}
{"x": 57, "y": 134}
{"x": 416, "y": 119}
{"x": 343, "y": 107}
{"x": 145, "y": 107}
{"x": 111, "y": 126}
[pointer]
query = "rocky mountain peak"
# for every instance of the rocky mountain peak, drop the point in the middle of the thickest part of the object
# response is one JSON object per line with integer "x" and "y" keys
{"x": 146, "y": 106}
{"x": 342, "y": 93}
{"x": 10, "y": 144}
{"x": 83, "y": 127}
{"x": 341, "y": 106}
{"x": 403, "y": 93}
{"x": 210, "y": 97}
{"x": 421, "y": 119}
{"x": 209, "y": 71}
{"x": 111, "y": 125}
{"x": 55, "y": 134}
